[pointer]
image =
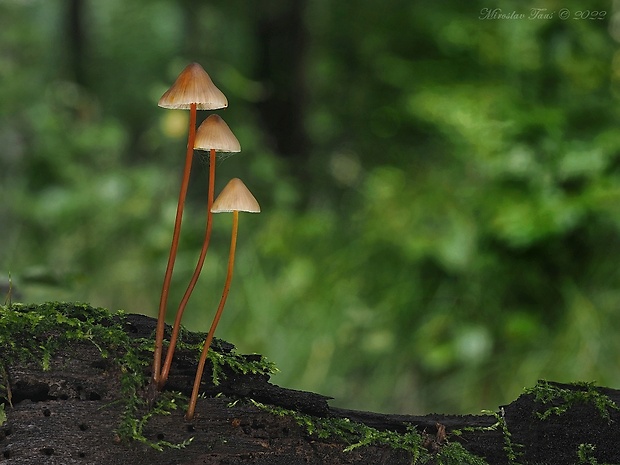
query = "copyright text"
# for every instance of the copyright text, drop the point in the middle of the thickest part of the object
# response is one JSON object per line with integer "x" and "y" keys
{"x": 564, "y": 14}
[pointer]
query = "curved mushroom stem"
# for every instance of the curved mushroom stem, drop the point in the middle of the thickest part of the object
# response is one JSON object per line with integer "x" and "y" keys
{"x": 205, "y": 350}
{"x": 159, "y": 334}
{"x": 188, "y": 292}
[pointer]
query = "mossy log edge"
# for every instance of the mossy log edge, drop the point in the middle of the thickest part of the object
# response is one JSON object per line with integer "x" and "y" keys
{"x": 69, "y": 410}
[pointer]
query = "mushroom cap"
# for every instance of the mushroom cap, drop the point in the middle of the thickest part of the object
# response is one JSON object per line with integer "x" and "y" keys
{"x": 235, "y": 197}
{"x": 215, "y": 134}
{"x": 193, "y": 86}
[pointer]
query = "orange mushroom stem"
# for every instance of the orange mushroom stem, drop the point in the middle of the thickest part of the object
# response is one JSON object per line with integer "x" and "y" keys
{"x": 234, "y": 197}
{"x": 161, "y": 316}
{"x": 193, "y": 90}
{"x": 213, "y": 135}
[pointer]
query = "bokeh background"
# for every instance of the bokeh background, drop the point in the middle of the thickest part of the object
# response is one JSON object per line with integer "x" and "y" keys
{"x": 440, "y": 186}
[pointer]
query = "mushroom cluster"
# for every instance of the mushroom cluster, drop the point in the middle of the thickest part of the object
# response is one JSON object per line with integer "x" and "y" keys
{"x": 194, "y": 90}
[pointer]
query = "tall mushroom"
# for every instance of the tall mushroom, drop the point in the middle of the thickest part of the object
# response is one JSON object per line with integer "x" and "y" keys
{"x": 235, "y": 197}
{"x": 193, "y": 90}
{"x": 213, "y": 135}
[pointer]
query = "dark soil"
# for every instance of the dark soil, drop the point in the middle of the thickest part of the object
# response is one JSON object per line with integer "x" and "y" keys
{"x": 70, "y": 414}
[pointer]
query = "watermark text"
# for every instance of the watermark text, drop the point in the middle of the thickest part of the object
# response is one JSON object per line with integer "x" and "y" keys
{"x": 490, "y": 14}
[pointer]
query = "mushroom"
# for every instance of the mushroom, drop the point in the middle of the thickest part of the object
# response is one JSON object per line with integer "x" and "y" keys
{"x": 192, "y": 90}
{"x": 235, "y": 197}
{"x": 213, "y": 135}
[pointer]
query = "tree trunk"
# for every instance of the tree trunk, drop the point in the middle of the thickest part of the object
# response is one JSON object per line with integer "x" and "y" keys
{"x": 282, "y": 42}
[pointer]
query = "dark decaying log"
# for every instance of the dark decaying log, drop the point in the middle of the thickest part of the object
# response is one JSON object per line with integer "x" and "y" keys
{"x": 70, "y": 414}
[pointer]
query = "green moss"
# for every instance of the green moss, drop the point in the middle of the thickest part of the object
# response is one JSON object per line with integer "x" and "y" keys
{"x": 547, "y": 393}
{"x": 5, "y": 388}
{"x": 239, "y": 364}
{"x": 585, "y": 455}
{"x": 133, "y": 424}
{"x": 359, "y": 435}
{"x": 37, "y": 332}
{"x": 512, "y": 449}
{"x": 30, "y": 332}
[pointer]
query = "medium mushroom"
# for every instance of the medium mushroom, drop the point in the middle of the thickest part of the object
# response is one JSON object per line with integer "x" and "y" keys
{"x": 235, "y": 197}
{"x": 213, "y": 135}
{"x": 192, "y": 90}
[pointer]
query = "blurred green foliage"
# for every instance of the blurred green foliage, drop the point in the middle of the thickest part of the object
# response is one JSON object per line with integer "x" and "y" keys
{"x": 442, "y": 232}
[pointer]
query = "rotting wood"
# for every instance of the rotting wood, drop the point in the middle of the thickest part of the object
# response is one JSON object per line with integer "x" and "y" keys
{"x": 71, "y": 412}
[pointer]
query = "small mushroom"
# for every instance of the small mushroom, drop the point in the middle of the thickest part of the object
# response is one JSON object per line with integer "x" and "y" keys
{"x": 193, "y": 89}
{"x": 235, "y": 197}
{"x": 213, "y": 135}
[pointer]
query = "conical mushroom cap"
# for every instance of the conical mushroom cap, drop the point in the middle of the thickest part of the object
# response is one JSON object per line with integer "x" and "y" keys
{"x": 215, "y": 134}
{"x": 235, "y": 196}
{"x": 193, "y": 86}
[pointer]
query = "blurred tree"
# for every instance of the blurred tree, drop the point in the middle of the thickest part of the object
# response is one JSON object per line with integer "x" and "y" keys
{"x": 281, "y": 65}
{"x": 76, "y": 41}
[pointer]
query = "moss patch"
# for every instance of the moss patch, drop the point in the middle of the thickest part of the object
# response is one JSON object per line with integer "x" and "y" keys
{"x": 559, "y": 400}
{"x": 35, "y": 333}
{"x": 423, "y": 447}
